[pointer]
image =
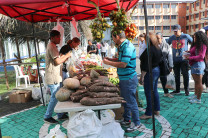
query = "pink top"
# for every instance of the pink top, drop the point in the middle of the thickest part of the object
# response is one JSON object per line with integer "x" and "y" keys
{"x": 197, "y": 56}
{"x": 98, "y": 46}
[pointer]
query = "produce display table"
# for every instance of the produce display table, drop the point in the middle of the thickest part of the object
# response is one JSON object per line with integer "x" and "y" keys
{"x": 71, "y": 107}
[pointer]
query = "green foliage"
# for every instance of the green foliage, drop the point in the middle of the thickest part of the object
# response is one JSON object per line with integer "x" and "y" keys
{"x": 11, "y": 79}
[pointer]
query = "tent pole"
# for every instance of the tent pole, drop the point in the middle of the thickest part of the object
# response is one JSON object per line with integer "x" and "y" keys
{"x": 36, "y": 56}
{"x": 70, "y": 33}
{"x": 150, "y": 65}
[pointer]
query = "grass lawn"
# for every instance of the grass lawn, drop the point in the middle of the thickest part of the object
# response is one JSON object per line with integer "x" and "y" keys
{"x": 12, "y": 81}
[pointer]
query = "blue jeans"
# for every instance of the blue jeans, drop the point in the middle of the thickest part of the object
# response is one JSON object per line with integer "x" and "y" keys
{"x": 128, "y": 91}
{"x": 147, "y": 90}
{"x": 53, "y": 101}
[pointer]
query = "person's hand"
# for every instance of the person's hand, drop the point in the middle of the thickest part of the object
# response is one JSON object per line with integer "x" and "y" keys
{"x": 186, "y": 56}
{"x": 141, "y": 80}
{"x": 105, "y": 61}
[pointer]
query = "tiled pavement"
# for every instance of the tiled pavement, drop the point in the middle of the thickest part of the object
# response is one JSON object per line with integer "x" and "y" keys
{"x": 178, "y": 119}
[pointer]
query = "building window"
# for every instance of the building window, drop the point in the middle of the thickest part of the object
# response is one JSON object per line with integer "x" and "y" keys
{"x": 197, "y": 15}
{"x": 150, "y": 17}
{"x": 157, "y": 6}
{"x": 173, "y": 6}
{"x": 166, "y": 27}
{"x": 141, "y": 17}
{"x": 204, "y": 1}
{"x": 187, "y": 17}
{"x": 157, "y": 27}
{"x": 140, "y": 6}
{"x": 157, "y": 17}
{"x": 141, "y": 27}
{"x": 173, "y": 16}
{"x": 202, "y": 25}
{"x": 151, "y": 27}
{"x": 134, "y": 17}
{"x": 149, "y": 6}
{"x": 166, "y": 17}
{"x": 192, "y": 26}
{"x": 196, "y": 25}
{"x": 187, "y": 27}
{"x": 166, "y": 6}
{"x": 197, "y": 4}
{"x": 187, "y": 7}
{"x": 203, "y": 13}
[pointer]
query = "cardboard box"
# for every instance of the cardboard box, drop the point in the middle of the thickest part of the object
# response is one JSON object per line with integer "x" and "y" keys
{"x": 20, "y": 96}
{"x": 119, "y": 113}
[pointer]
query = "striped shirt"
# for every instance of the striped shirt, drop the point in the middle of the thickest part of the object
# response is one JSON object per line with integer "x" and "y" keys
{"x": 127, "y": 54}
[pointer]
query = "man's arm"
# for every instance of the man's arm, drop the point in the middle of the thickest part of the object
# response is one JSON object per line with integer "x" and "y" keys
{"x": 115, "y": 64}
{"x": 190, "y": 39}
{"x": 62, "y": 58}
{"x": 112, "y": 59}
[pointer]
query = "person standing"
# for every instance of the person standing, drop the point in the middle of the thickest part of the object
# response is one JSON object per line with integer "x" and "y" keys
{"x": 91, "y": 48}
{"x": 142, "y": 44}
{"x": 103, "y": 50}
{"x": 53, "y": 75}
{"x": 126, "y": 65}
{"x": 107, "y": 47}
{"x": 112, "y": 51}
{"x": 71, "y": 44}
{"x": 196, "y": 61}
{"x": 99, "y": 48}
{"x": 166, "y": 51}
{"x": 155, "y": 59}
{"x": 179, "y": 43}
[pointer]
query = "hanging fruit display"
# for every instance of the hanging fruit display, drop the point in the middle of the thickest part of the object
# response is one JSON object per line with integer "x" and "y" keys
{"x": 98, "y": 26}
{"x": 131, "y": 31}
{"x": 119, "y": 21}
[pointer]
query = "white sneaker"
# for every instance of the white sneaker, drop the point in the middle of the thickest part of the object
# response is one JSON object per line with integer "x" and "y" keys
{"x": 195, "y": 100}
{"x": 168, "y": 95}
{"x": 132, "y": 129}
{"x": 192, "y": 97}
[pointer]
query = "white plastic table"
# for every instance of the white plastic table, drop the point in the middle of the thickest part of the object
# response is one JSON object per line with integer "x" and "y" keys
{"x": 69, "y": 106}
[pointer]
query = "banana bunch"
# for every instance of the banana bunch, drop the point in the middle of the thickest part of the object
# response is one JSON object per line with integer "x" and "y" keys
{"x": 98, "y": 26}
{"x": 115, "y": 81}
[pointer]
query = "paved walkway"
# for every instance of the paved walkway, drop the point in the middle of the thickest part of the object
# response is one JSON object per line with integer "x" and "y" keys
{"x": 178, "y": 119}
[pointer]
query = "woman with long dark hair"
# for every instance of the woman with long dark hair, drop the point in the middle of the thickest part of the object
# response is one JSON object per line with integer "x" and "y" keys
{"x": 196, "y": 61}
{"x": 155, "y": 57}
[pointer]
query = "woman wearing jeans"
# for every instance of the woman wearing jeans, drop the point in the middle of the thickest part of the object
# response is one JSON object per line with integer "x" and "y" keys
{"x": 155, "y": 56}
{"x": 196, "y": 61}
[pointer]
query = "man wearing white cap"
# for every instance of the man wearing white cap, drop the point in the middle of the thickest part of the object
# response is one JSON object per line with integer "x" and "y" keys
{"x": 179, "y": 43}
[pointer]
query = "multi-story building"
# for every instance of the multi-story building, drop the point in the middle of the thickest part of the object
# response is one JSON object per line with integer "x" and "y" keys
{"x": 162, "y": 15}
{"x": 195, "y": 14}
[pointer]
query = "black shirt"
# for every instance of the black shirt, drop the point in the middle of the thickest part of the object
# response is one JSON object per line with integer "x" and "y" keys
{"x": 155, "y": 58}
{"x": 65, "y": 49}
{"x": 90, "y": 48}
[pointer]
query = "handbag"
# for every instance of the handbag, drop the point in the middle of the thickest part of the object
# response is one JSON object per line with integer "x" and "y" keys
{"x": 164, "y": 66}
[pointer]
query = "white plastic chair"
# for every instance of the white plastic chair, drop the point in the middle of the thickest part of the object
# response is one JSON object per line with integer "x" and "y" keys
{"x": 46, "y": 95}
{"x": 19, "y": 75}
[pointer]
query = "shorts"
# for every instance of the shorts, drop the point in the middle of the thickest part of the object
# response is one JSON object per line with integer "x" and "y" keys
{"x": 198, "y": 68}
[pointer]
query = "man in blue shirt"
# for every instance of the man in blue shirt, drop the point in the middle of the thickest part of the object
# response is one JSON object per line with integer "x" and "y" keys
{"x": 126, "y": 65}
{"x": 179, "y": 43}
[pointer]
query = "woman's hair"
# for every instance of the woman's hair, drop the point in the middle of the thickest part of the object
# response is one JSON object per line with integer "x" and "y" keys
{"x": 201, "y": 39}
{"x": 75, "y": 39}
{"x": 153, "y": 40}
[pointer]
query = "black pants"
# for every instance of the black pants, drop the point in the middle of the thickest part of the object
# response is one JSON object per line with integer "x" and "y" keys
{"x": 103, "y": 54}
{"x": 178, "y": 68}
{"x": 163, "y": 80}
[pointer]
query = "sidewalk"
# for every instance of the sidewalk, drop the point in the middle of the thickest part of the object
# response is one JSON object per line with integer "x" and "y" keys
{"x": 178, "y": 119}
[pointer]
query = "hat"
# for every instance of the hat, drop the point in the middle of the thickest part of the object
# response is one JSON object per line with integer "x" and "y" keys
{"x": 176, "y": 27}
{"x": 202, "y": 30}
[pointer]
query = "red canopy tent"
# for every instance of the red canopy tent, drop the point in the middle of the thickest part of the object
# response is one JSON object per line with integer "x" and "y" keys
{"x": 49, "y": 10}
